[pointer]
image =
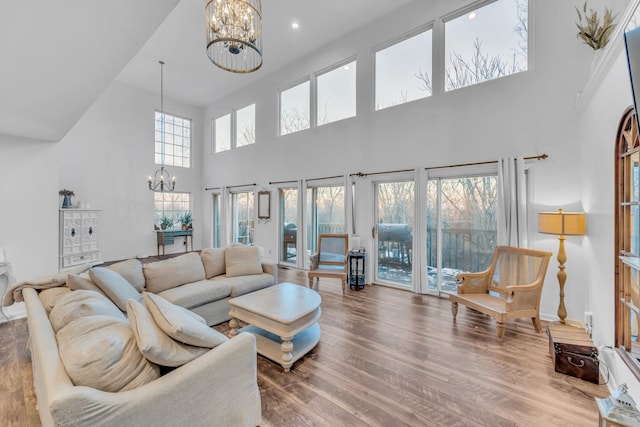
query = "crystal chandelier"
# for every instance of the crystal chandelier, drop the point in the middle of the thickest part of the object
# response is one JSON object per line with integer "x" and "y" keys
{"x": 162, "y": 180}
{"x": 234, "y": 34}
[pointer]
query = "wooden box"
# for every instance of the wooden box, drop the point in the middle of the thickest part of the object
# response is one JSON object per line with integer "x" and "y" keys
{"x": 573, "y": 352}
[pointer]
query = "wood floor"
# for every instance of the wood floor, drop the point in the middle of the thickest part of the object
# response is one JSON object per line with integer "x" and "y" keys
{"x": 386, "y": 358}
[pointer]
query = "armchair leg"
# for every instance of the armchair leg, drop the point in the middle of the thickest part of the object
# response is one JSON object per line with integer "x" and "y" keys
{"x": 454, "y": 310}
{"x": 500, "y": 328}
{"x": 536, "y": 324}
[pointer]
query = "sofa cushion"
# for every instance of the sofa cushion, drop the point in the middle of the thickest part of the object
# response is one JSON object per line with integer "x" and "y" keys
{"x": 197, "y": 293}
{"x": 244, "y": 284}
{"x": 116, "y": 287}
{"x": 154, "y": 344}
{"x": 101, "y": 352}
{"x": 131, "y": 270}
{"x": 242, "y": 261}
{"x": 167, "y": 274}
{"x": 82, "y": 281}
{"x": 181, "y": 324}
{"x": 213, "y": 261}
{"x": 76, "y": 304}
{"x": 48, "y": 297}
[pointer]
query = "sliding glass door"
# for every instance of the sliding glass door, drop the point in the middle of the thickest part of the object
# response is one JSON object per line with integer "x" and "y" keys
{"x": 288, "y": 202}
{"x": 325, "y": 214}
{"x": 242, "y": 217}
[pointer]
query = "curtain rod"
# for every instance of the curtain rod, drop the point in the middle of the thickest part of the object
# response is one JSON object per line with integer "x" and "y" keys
{"x": 540, "y": 157}
{"x": 230, "y": 186}
{"x": 212, "y": 188}
{"x": 282, "y": 182}
{"x": 361, "y": 174}
{"x": 325, "y": 177}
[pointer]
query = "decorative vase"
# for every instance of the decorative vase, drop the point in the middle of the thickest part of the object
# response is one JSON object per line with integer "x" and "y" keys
{"x": 66, "y": 202}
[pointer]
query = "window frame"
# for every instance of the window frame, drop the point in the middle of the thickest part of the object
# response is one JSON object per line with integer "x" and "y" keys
{"x": 311, "y": 104}
{"x": 314, "y": 90}
{"x": 175, "y": 213}
{"x": 164, "y": 142}
{"x": 233, "y": 129}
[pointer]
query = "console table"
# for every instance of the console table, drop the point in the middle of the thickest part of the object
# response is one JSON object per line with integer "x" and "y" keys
{"x": 165, "y": 237}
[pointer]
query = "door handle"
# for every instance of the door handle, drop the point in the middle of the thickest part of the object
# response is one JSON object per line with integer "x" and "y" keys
{"x": 373, "y": 232}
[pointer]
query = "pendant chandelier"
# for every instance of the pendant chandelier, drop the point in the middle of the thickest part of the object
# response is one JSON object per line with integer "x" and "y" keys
{"x": 234, "y": 34}
{"x": 162, "y": 180}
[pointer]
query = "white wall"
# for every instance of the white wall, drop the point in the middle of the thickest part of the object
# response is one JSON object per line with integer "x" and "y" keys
{"x": 106, "y": 158}
{"x": 525, "y": 114}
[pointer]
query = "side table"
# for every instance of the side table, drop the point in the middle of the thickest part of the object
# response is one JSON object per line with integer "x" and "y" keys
{"x": 356, "y": 269}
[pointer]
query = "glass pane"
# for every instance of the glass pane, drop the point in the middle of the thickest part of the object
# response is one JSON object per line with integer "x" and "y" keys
{"x": 242, "y": 214}
{"x": 288, "y": 226}
{"x": 337, "y": 94}
{"x": 246, "y": 126}
{"x": 432, "y": 235}
{"x": 223, "y": 133}
{"x": 395, "y": 208}
{"x": 294, "y": 109}
{"x": 325, "y": 214}
{"x": 487, "y": 43}
{"x": 216, "y": 221}
{"x": 403, "y": 71}
{"x": 633, "y": 176}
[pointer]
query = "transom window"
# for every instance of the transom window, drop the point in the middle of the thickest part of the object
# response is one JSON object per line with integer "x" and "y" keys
{"x": 295, "y": 113}
{"x": 173, "y": 140}
{"x": 336, "y": 98}
{"x": 486, "y": 43}
{"x": 236, "y": 129}
{"x": 170, "y": 205}
{"x": 403, "y": 71}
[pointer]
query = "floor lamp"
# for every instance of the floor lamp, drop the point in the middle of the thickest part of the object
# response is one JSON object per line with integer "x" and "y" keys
{"x": 562, "y": 224}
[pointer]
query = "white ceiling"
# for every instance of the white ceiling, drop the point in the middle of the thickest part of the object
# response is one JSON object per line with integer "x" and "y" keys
{"x": 59, "y": 56}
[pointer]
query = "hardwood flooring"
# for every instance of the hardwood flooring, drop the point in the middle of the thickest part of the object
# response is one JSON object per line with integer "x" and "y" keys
{"x": 386, "y": 358}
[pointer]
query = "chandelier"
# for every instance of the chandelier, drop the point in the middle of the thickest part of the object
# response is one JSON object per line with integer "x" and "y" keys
{"x": 162, "y": 180}
{"x": 234, "y": 34}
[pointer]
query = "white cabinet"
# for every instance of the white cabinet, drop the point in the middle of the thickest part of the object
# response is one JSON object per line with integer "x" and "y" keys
{"x": 79, "y": 236}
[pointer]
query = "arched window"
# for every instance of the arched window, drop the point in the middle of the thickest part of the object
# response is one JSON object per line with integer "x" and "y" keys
{"x": 627, "y": 284}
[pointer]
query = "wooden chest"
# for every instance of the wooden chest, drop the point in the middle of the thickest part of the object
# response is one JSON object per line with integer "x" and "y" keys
{"x": 573, "y": 352}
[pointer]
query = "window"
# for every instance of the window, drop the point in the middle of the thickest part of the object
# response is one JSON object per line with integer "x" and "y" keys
{"x": 336, "y": 98}
{"x": 294, "y": 109}
{"x": 325, "y": 213}
{"x": 216, "y": 238}
{"x": 243, "y": 124}
{"x": 403, "y": 71}
{"x": 246, "y": 126}
{"x": 242, "y": 217}
{"x": 170, "y": 205}
{"x": 486, "y": 43}
{"x": 627, "y": 292}
{"x": 173, "y": 140}
{"x": 223, "y": 133}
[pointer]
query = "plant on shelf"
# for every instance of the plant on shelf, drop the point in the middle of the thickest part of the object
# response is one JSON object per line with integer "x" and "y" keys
{"x": 186, "y": 221}
{"x": 592, "y": 32}
{"x": 66, "y": 202}
{"x": 165, "y": 223}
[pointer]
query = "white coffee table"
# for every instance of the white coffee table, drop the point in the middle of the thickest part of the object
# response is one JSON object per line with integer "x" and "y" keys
{"x": 283, "y": 318}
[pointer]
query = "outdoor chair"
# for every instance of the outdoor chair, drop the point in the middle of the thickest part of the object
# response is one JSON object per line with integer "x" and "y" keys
{"x": 510, "y": 288}
{"x": 331, "y": 259}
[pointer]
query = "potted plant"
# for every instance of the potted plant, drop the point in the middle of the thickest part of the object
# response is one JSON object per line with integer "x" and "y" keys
{"x": 165, "y": 223}
{"x": 592, "y": 32}
{"x": 186, "y": 220}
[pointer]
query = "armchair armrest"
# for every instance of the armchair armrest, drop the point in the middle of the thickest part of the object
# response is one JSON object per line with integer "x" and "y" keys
{"x": 469, "y": 283}
{"x": 523, "y": 296}
{"x": 314, "y": 260}
{"x": 271, "y": 268}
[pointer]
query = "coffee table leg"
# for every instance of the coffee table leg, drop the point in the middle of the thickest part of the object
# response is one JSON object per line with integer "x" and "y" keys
{"x": 233, "y": 324}
{"x": 287, "y": 355}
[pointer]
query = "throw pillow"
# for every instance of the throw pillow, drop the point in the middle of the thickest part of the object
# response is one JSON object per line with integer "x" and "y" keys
{"x": 181, "y": 324}
{"x": 242, "y": 261}
{"x": 169, "y": 273}
{"x": 154, "y": 344}
{"x": 82, "y": 281}
{"x": 131, "y": 270}
{"x": 76, "y": 304}
{"x": 213, "y": 261}
{"x": 101, "y": 352}
{"x": 116, "y": 287}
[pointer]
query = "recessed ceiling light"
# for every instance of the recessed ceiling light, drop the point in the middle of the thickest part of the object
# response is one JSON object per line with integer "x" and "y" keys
{"x": 295, "y": 25}
{"x": 472, "y": 15}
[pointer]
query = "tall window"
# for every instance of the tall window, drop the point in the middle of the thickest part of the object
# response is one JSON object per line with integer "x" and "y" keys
{"x": 295, "y": 114}
{"x": 242, "y": 217}
{"x": 461, "y": 227}
{"x": 235, "y": 129}
{"x": 403, "y": 71}
{"x": 170, "y": 205}
{"x": 325, "y": 213}
{"x": 336, "y": 98}
{"x": 173, "y": 140}
{"x": 627, "y": 290}
{"x": 486, "y": 43}
{"x": 216, "y": 238}
{"x": 222, "y": 126}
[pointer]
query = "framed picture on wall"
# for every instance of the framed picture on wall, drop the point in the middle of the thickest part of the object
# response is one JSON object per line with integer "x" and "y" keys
{"x": 264, "y": 205}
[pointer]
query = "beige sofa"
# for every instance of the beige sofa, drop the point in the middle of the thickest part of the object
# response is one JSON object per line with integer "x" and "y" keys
{"x": 217, "y": 388}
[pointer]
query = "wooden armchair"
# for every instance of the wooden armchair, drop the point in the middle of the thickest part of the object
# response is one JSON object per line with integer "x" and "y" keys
{"x": 331, "y": 259}
{"x": 510, "y": 288}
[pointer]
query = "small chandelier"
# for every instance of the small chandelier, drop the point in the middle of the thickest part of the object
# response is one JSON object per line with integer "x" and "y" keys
{"x": 162, "y": 180}
{"x": 234, "y": 34}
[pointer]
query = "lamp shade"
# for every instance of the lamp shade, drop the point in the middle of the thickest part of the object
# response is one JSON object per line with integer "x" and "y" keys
{"x": 562, "y": 223}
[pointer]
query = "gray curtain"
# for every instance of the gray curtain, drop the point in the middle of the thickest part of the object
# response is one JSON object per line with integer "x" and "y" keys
{"x": 512, "y": 202}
